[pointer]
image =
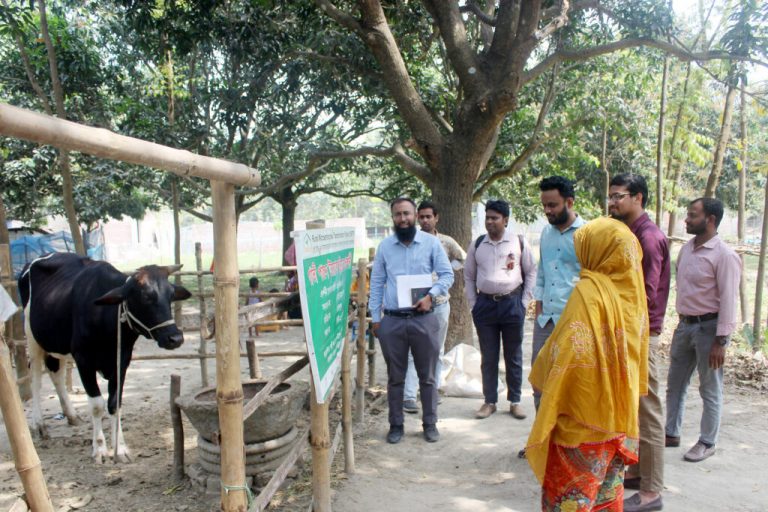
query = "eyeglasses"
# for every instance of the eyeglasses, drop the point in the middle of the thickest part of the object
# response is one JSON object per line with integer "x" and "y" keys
{"x": 618, "y": 196}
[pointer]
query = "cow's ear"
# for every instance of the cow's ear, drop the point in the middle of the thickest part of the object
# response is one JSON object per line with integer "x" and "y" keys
{"x": 180, "y": 293}
{"x": 111, "y": 298}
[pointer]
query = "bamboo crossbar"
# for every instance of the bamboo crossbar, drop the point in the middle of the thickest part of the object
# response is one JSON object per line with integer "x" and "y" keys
{"x": 262, "y": 395}
{"x": 43, "y": 129}
{"x": 258, "y": 270}
{"x": 160, "y": 357}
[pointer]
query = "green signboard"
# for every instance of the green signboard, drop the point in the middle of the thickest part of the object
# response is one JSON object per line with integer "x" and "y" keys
{"x": 324, "y": 268}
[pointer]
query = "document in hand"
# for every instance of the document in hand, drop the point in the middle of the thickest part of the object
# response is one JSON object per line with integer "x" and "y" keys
{"x": 410, "y": 286}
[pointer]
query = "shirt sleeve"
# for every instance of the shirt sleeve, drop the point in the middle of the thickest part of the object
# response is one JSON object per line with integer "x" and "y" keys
{"x": 728, "y": 276}
{"x": 470, "y": 275}
{"x": 530, "y": 271}
{"x": 652, "y": 262}
{"x": 442, "y": 267}
{"x": 378, "y": 280}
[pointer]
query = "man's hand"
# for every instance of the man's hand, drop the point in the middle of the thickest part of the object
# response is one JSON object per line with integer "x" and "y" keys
{"x": 539, "y": 308}
{"x": 716, "y": 355}
{"x": 424, "y": 305}
{"x": 375, "y": 328}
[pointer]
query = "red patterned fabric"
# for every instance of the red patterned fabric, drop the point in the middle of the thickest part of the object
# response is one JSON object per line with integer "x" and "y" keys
{"x": 588, "y": 477}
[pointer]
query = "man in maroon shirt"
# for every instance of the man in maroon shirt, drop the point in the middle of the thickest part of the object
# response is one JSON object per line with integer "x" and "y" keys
{"x": 627, "y": 197}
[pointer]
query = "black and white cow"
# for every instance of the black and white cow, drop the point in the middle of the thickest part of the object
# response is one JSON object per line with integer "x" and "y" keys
{"x": 74, "y": 307}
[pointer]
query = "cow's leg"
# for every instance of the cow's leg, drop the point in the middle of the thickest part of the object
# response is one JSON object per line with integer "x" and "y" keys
{"x": 36, "y": 358}
{"x": 58, "y": 378}
{"x": 121, "y": 452}
{"x": 97, "y": 408}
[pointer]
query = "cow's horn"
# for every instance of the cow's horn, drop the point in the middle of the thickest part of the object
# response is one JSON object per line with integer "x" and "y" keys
{"x": 173, "y": 268}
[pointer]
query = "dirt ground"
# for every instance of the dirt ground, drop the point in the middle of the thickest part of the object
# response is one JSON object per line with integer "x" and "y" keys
{"x": 474, "y": 466}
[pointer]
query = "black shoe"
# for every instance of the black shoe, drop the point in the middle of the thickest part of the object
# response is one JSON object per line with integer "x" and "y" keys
{"x": 431, "y": 434}
{"x": 671, "y": 442}
{"x": 632, "y": 484}
{"x": 521, "y": 454}
{"x": 395, "y": 434}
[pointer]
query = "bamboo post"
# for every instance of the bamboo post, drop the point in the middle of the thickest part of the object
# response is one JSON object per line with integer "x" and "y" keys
{"x": 320, "y": 438}
{"x": 371, "y": 340}
{"x": 202, "y": 349}
{"x": 229, "y": 389}
{"x": 178, "y": 430}
{"x": 362, "y": 308}
{"x": 346, "y": 406}
{"x": 15, "y": 326}
{"x": 254, "y": 365}
{"x": 24, "y": 454}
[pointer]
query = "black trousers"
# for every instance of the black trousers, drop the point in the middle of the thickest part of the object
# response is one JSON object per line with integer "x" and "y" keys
{"x": 419, "y": 335}
{"x": 500, "y": 324}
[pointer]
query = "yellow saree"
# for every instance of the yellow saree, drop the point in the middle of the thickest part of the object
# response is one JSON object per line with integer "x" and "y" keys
{"x": 594, "y": 367}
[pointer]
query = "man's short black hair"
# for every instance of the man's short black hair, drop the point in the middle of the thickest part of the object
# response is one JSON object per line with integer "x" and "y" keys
{"x": 711, "y": 206}
{"x": 563, "y": 185}
{"x": 634, "y": 183}
{"x": 399, "y": 200}
{"x": 498, "y": 205}
{"x": 253, "y": 282}
{"x": 424, "y": 205}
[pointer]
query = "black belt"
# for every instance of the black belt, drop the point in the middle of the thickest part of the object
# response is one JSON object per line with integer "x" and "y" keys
{"x": 405, "y": 313}
{"x": 697, "y": 319}
{"x": 498, "y": 297}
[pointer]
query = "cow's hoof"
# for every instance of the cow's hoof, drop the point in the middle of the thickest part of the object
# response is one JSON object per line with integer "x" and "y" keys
{"x": 75, "y": 421}
{"x": 42, "y": 432}
{"x": 123, "y": 457}
{"x": 99, "y": 455}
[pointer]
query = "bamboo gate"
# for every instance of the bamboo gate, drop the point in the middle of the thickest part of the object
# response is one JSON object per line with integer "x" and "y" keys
{"x": 223, "y": 176}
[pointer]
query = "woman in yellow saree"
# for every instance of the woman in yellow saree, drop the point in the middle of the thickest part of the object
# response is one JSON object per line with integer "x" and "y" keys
{"x": 591, "y": 372}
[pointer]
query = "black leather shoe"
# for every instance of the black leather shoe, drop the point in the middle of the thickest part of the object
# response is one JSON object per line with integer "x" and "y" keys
{"x": 395, "y": 434}
{"x": 671, "y": 442}
{"x": 431, "y": 434}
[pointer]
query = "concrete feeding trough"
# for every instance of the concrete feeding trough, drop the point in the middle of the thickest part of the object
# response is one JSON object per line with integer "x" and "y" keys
{"x": 268, "y": 433}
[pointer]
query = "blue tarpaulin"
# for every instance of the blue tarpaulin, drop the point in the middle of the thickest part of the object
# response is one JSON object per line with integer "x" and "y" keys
{"x": 26, "y": 248}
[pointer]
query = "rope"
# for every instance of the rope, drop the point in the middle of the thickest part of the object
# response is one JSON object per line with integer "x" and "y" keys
{"x": 248, "y": 493}
{"x": 120, "y": 309}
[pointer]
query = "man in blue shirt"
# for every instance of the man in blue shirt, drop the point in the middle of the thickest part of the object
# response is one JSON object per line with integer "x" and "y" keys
{"x": 558, "y": 266}
{"x": 415, "y": 328}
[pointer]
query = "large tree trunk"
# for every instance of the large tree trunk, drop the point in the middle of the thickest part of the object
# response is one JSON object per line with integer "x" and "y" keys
{"x": 722, "y": 143}
{"x": 454, "y": 200}
{"x": 660, "y": 144}
{"x": 63, "y": 160}
{"x": 743, "y": 298}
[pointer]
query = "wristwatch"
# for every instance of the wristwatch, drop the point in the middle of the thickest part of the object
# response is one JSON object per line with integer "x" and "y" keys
{"x": 722, "y": 340}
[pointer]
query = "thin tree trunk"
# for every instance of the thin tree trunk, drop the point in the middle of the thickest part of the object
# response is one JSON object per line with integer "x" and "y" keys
{"x": 756, "y": 326}
{"x": 176, "y": 244}
{"x": 660, "y": 144}
{"x": 743, "y": 298}
{"x": 673, "y": 192}
{"x": 722, "y": 143}
{"x": 604, "y": 164}
{"x": 288, "y": 205}
{"x": 5, "y": 237}
{"x": 678, "y": 120}
{"x": 63, "y": 160}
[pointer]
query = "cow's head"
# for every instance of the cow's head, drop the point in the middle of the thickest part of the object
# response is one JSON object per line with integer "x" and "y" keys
{"x": 147, "y": 295}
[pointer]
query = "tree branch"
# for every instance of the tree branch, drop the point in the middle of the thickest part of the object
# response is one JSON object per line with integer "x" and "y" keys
{"x": 454, "y": 35}
{"x": 475, "y": 9}
{"x": 557, "y": 22}
{"x": 343, "y": 18}
{"x": 522, "y": 159}
{"x": 595, "y": 51}
{"x": 397, "y": 151}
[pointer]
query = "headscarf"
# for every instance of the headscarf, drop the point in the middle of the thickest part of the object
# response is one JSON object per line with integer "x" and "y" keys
{"x": 594, "y": 367}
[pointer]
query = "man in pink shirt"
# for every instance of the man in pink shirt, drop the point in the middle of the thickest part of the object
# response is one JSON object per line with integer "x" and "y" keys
{"x": 708, "y": 274}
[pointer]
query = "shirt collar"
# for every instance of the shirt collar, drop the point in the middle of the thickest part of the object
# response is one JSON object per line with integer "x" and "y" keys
{"x": 640, "y": 221}
{"x": 416, "y": 240}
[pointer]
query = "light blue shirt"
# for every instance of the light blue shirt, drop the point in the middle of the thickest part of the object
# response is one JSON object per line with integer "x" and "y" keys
{"x": 424, "y": 255}
{"x": 558, "y": 270}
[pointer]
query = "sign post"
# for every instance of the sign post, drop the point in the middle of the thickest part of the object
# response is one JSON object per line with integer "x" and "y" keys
{"x": 324, "y": 268}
